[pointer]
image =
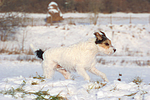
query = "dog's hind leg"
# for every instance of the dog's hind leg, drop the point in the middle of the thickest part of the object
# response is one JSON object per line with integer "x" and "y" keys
{"x": 48, "y": 68}
{"x": 64, "y": 72}
{"x": 99, "y": 73}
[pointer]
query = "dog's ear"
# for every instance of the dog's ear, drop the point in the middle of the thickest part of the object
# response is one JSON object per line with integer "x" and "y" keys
{"x": 103, "y": 33}
{"x": 98, "y": 36}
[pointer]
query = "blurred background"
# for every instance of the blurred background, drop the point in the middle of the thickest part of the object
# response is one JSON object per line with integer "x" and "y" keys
{"x": 104, "y": 6}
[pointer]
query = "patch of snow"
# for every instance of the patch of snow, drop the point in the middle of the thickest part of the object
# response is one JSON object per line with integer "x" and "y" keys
{"x": 53, "y": 3}
{"x": 78, "y": 90}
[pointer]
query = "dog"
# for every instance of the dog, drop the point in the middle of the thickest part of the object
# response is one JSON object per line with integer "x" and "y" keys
{"x": 78, "y": 57}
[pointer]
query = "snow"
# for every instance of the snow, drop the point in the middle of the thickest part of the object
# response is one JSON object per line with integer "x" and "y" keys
{"x": 51, "y": 8}
{"x": 53, "y": 3}
{"x": 132, "y": 59}
{"x": 134, "y": 39}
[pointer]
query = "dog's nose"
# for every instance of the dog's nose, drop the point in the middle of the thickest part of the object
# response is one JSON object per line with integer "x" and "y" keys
{"x": 114, "y": 50}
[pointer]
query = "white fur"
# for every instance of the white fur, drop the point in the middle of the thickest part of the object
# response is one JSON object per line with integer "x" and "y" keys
{"x": 106, "y": 51}
{"x": 78, "y": 57}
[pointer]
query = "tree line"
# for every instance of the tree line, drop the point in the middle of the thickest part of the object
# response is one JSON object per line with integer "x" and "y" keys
{"x": 103, "y": 6}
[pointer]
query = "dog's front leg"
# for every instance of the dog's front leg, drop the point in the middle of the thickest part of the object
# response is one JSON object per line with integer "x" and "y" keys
{"x": 81, "y": 71}
{"x": 99, "y": 73}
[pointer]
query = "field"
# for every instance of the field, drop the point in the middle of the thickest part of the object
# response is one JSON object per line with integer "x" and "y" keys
{"x": 21, "y": 72}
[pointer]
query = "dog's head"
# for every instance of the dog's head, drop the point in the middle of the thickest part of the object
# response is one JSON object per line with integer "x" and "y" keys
{"x": 103, "y": 43}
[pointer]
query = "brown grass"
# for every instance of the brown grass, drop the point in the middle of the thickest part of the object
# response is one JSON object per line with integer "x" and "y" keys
{"x": 137, "y": 80}
{"x": 27, "y": 58}
{"x": 14, "y": 50}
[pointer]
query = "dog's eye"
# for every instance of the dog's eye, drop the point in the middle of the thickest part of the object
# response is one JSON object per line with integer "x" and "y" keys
{"x": 106, "y": 44}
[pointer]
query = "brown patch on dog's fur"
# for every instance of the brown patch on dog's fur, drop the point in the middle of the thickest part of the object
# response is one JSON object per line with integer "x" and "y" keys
{"x": 100, "y": 37}
{"x": 102, "y": 40}
{"x": 105, "y": 44}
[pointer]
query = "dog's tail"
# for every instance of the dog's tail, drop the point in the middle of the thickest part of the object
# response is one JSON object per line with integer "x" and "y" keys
{"x": 38, "y": 52}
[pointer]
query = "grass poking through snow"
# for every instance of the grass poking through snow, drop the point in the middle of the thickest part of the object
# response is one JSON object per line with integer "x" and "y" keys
{"x": 20, "y": 92}
{"x": 137, "y": 80}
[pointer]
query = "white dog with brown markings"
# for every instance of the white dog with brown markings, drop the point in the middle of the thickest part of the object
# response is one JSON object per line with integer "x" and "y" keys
{"x": 78, "y": 57}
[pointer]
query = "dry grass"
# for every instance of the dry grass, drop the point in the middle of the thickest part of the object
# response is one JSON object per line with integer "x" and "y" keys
{"x": 39, "y": 95}
{"x": 28, "y": 52}
{"x": 124, "y": 62}
{"x": 137, "y": 80}
{"x": 95, "y": 85}
{"x": 71, "y": 22}
{"x": 94, "y": 19}
{"x": 14, "y": 50}
{"x": 27, "y": 58}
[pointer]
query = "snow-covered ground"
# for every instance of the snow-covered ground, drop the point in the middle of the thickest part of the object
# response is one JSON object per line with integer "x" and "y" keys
{"x": 131, "y": 60}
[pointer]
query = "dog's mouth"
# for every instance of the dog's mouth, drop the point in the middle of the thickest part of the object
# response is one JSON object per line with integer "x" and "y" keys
{"x": 108, "y": 51}
{"x": 112, "y": 51}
